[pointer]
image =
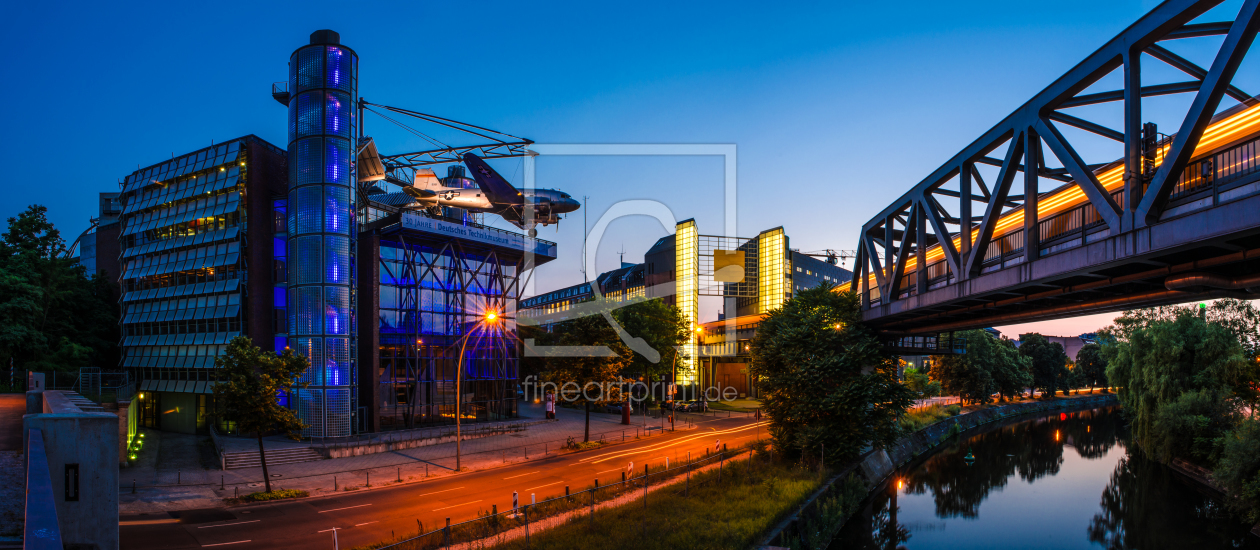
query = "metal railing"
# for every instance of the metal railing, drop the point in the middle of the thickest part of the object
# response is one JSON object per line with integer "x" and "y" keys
{"x": 1218, "y": 170}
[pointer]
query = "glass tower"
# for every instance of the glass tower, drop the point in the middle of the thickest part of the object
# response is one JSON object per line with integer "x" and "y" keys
{"x": 323, "y": 78}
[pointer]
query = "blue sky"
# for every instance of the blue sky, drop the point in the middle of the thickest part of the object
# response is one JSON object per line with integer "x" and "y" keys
{"x": 835, "y": 108}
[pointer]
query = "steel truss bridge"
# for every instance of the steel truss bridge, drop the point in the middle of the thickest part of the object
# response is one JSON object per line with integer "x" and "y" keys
{"x": 1176, "y": 219}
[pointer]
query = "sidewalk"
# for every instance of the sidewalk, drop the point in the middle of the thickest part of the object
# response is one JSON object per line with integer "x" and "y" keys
{"x": 169, "y": 476}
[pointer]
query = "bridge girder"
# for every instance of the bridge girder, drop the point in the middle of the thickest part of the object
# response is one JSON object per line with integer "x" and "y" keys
{"x": 1137, "y": 205}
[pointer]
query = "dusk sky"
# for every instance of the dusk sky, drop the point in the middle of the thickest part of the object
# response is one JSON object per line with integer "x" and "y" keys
{"x": 835, "y": 109}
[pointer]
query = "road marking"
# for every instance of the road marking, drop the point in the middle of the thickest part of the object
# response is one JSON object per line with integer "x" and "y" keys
{"x": 541, "y": 486}
{"x": 327, "y": 530}
{"x": 227, "y": 524}
{"x": 442, "y": 491}
{"x": 368, "y": 523}
{"x": 457, "y": 505}
{"x": 223, "y": 543}
{"x": 346, "y": 508}
{"x": 522, "y": 475}
{"x": 606, "y": 471}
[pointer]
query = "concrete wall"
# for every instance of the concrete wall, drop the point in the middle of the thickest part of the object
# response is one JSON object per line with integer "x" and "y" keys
{"x": 90, "y": 440}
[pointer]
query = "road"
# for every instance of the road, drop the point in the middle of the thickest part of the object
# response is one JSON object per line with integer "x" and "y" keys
{"x": 365, "y": 517}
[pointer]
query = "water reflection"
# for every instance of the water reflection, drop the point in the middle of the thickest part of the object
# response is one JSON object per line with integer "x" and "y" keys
{"x": 1036, "y": 484}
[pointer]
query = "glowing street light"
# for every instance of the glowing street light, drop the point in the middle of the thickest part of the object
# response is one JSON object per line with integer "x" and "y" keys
{"x": 490, "y": 317}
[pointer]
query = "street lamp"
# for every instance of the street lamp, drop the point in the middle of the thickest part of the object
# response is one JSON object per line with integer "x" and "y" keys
{"x": 489, "y": 317}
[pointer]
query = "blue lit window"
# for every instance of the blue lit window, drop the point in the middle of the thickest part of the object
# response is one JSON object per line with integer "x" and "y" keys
{"x": 337, "y": 210}
{"x": 304, "y": 260}
{"x": 313, "y": 350}
{"x": 337, "y": 255}
{"x": 310, "y": 69}
{"x": 338, "y": 161}
{"x": 337, "y": 310}
{"x": 306, "y": 162}
{"x": 337, "y": 108}
{"x": 339, "y": 68}
{"x": 310, "y": 114}
{"x": 306, "y": 308}
{"x": 337, "y": 362}
{"x": 306, "y": 208}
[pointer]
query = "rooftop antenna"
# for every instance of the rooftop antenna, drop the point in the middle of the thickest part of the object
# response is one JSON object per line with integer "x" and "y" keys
{"x": 621, "y": 255}
{"x": 585, "y": 229}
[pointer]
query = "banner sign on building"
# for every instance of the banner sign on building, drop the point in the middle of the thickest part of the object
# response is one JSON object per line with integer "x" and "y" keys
{"x": 484, "y": 235}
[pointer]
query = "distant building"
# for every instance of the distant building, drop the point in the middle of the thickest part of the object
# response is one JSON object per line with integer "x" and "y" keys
{"x": 98, "y": 248}
{"x": 773, "y": 273}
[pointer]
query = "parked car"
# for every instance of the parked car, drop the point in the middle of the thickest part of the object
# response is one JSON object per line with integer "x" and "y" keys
{"x": 692, "y": 406}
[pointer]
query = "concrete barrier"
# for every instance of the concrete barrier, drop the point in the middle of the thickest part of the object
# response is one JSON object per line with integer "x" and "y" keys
{"x": 42, "y": 532}
{"x": 80, "y": 452}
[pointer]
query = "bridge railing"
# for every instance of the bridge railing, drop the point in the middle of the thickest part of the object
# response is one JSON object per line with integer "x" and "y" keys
{"x": 1217, "y": 173}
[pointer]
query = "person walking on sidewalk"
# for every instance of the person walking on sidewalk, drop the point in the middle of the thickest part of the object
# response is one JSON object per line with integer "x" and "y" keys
{"x": 550, "y": 404}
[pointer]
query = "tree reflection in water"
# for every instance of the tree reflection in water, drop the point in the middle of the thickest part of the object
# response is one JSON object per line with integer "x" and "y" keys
{"x": 1159, "y": 511}
{"x": 1147, "y": 506}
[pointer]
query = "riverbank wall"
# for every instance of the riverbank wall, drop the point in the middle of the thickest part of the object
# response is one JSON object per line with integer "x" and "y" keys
{"x": 875, "y": 466}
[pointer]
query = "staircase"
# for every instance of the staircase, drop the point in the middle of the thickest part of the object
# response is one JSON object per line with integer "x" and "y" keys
{"x": 287, "y": 455}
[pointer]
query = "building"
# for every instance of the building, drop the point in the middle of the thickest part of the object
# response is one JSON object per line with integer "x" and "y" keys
{"x": 202, "y": 250}
{"x": 624, "y": 283}
{"x": 679, "y": 274}
{"x": 98, "y": 246}
{"x": 294, "y": 248}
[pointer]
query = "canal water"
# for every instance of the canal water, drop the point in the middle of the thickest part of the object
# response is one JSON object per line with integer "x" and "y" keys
{"x": 1055, "y": 482}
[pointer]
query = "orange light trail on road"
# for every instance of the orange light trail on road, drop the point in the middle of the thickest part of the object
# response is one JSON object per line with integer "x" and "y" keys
{"x": 666, "y": 444}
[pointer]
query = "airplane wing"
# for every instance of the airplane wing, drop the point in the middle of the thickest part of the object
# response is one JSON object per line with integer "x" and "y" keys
{"x": 496, "y": 188}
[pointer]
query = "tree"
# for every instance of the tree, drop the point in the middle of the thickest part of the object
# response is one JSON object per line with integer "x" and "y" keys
{"x": 592, "y": 378}
{"x": 1049, "y": 362}
{"x": 53, "y": 317}
{"x": 1092, "y": 366}
{"x": 1177, "y": 381}
{"x": 920, "y": 383}
{"x": 252, "y": 381}
{"x": 989, "y": 366}
{"x": 661, "y": 326}
{"x": 1238, "y": 469}
{"x": 825, "y": 380}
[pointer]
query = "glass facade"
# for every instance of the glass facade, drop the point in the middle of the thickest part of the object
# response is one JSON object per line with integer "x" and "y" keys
{"x": 433, "y": 302}
{"x": 320, "y": 223}
{"x": 184, "y": 254}
{"x": 181, "y": 244}
{"x": 687, "y": 267}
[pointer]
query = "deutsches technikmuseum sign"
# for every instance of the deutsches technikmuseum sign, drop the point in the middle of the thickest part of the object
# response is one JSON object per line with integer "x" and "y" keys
{"x": 484, "y": 235}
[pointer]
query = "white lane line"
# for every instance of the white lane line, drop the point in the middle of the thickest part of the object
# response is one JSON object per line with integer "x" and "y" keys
{"x": 327, "y": 530}
{"x": 368, "y": 523}
{"x": 457, "y": 505}
{"x": 541, "y": 486}
{"x": 522, "y": 475}
{"x": 223, "y": 543}
{"x": 227, "y": 524}
{"x": 612, "y": 470}
{"x": 442, "y": 491}
{"x": 346, "y": 508}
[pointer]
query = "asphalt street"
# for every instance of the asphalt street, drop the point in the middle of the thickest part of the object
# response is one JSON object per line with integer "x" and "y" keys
{"x": 365, "y": 517}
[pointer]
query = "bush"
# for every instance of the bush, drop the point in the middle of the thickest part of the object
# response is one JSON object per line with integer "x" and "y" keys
{"x": 1238, "y": 470}
{"x": 954, "y": 410}
{"x": 918, "y": 419}
{"x": 278, "y": 494}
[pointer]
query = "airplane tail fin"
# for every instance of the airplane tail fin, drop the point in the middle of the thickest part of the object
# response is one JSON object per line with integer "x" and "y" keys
{"x": 426, "y": 179}
{"x": 495, "y": 186}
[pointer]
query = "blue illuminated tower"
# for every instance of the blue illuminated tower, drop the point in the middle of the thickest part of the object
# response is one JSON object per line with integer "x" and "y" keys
{"x": 323, "y": 78}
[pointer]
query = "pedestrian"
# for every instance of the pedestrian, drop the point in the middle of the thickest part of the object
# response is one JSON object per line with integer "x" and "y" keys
{"x": 550, "y": 401}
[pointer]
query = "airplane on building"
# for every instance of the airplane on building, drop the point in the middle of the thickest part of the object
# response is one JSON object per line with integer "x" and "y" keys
{"x": 493, "y": 195}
